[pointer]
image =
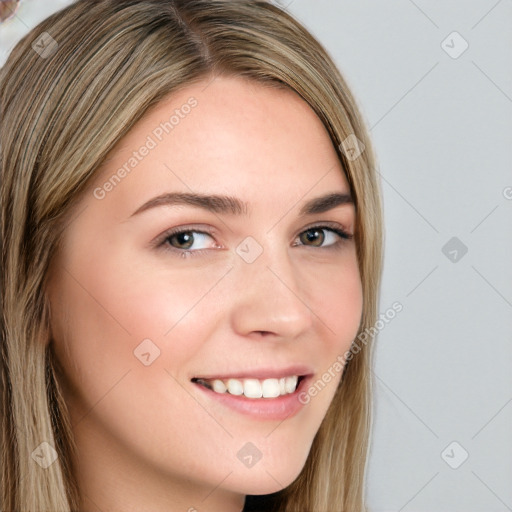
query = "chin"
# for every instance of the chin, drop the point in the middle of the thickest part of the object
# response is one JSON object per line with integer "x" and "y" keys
{"x": 265, "y": 479}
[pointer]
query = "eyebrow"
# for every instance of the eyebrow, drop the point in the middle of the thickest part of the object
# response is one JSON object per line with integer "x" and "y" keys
{"x": 234, "y": 206}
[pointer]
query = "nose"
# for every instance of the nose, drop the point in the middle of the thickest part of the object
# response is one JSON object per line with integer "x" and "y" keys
{"x": 268, "y": 299}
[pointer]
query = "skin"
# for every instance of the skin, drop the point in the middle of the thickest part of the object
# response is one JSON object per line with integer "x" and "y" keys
{"x": 148, "y": 438}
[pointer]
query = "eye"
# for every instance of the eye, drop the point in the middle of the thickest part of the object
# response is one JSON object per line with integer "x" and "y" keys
{"x": 323, "y": 236}
{"x": 188, "y": 240}
{"x": 192, "y": 242}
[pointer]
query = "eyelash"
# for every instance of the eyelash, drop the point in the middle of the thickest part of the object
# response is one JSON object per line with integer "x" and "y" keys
{"x": 163, "y": 242}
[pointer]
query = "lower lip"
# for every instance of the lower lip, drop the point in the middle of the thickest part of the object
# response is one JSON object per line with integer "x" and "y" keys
{"x": 279, "y": 408}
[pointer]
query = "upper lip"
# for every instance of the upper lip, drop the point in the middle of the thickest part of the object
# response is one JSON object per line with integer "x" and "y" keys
{"x": 261, "y": 373}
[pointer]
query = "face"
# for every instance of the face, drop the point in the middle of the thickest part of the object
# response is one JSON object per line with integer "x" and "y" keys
{"x": 209, "y": 280}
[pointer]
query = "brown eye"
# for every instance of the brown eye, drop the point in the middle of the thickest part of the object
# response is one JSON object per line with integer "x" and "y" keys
{"x": 313, "y": 236}
{"x": 323, "y": 237}
{"x": 189, "y": 240}
{"x": 183, "y": 240}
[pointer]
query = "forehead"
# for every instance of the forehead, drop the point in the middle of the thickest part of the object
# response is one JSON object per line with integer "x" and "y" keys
{"x": 225, "y": 134}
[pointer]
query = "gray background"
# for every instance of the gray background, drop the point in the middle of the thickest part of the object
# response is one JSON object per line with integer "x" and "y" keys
{"x": 442, "y": 130}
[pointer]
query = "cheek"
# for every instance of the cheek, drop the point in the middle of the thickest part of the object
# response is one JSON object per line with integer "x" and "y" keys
{"x": 102, "y": 314}
{"x": 336, "y": 298}
{"x": 176, "y": 308}
{"x": 141, "y": 298}
{"x": 116, "y": 300}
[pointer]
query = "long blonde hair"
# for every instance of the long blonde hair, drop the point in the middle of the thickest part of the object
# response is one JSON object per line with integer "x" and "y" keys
{"x": 61, "y": 111}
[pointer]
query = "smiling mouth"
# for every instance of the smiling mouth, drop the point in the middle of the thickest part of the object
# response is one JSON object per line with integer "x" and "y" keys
{"x": 252, "y": 388}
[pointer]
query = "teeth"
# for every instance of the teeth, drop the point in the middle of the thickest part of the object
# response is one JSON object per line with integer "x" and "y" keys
{"x": 219, "y": 386}
{"x": 270, "y": 388}
{"x": 282, "y": 386}
{"x": 235, "y": 387}
{"x": 253, "y": 388}
{"x": 291, "y": 384}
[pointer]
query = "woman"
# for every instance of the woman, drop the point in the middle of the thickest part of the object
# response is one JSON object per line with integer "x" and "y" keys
{"x": 191, "y": 243}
